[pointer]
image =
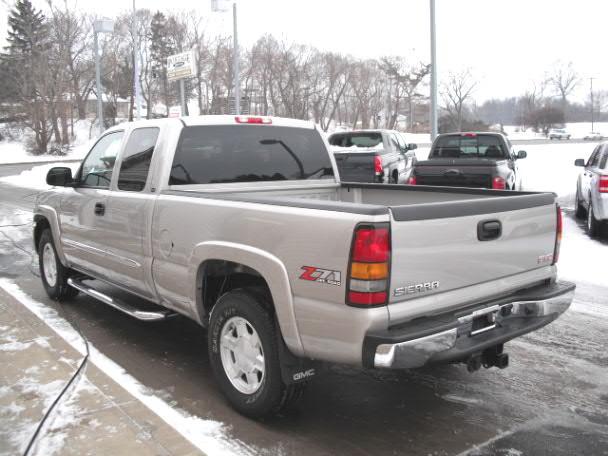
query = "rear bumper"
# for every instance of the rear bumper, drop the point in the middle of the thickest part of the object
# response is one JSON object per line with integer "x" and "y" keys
{"x": 458, "y": 335}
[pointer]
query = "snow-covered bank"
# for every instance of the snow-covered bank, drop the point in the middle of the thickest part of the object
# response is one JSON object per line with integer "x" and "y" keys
{"x": 15, "y": 151}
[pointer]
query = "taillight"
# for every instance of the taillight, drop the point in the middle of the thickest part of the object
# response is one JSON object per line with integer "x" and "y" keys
{"x": 559, "y": 226}
{"x": 378, "y": 165}
{"x": 411, "y": 180}
{"x": 498, "y": 183}
{"x": 368, "y": 272}
{"x": 253, "y": 120}
{"x": 603, "y": 184}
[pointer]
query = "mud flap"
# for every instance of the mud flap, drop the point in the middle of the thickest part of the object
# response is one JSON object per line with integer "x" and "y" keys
{"x": 294, "y": 369}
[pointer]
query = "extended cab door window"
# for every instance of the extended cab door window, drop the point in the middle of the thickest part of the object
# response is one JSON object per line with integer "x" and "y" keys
{"x": 137, "y": 156}
{"x": 96, "y": 170}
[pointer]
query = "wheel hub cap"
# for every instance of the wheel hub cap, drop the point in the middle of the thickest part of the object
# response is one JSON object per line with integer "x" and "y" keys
{"x": 242, "y": 355}
{"x": 49, "y": 264}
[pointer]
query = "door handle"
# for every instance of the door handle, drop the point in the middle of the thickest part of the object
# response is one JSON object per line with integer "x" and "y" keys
{"x": 488, "y": 230}
{"x": 100, "y": 208}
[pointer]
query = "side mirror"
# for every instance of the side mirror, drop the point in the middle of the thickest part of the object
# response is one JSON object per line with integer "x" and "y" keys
{"x": 412, "y": 146}
{"x": 59, "y": 176}
{"x": 522, "y": 154}
{"x": 579, "y": 162}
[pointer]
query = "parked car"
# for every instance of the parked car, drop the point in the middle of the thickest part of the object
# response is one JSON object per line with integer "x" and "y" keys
{"x": 380, "y": 156}
{"x": 485, "y": 160}
{"x": 593, "y": 136}
{"x": 592, "y": 189}
{"x": 558, "y": 133}
{"x": 242, "y": 224}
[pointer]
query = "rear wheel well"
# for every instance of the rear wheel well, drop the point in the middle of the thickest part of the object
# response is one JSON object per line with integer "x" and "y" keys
{"x": 217, "y": 277}
{"x": 41, "y": 224}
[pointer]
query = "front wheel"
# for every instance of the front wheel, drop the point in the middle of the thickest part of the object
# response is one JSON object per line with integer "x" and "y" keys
{"x": 54, "y": 275}
{"x": 244, "y": 355}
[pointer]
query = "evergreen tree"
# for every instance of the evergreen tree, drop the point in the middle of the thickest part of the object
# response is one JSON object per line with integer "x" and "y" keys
{"x": 161, "y": 47}
{"x": 24, "y": 66}
{"x": 28, "y": 32}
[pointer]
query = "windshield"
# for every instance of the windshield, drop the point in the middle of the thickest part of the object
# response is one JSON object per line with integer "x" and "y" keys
{"x": 248, "y": 153}
{"x": 483, "y": 146}
{"x": 364, "y": 139}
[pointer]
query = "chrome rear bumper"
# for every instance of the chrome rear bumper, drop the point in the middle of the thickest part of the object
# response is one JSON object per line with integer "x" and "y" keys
{"x": 465, "y": 336}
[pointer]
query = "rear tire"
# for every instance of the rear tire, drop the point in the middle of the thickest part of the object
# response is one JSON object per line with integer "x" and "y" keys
{"x": 53, "y": 274}
{"x": 593, "y": 226}
{"x": 244, "y": 355}
{"x": 395, "y": 178}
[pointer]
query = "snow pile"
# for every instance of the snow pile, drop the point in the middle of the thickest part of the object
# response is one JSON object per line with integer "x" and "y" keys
{"x": 35, "y": 178}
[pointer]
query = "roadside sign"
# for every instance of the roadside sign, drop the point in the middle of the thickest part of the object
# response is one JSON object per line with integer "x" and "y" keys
{"x": 180, "y": 66}
{"x": 175, "y": 111}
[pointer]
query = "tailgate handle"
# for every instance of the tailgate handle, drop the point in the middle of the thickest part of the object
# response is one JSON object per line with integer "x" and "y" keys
{"x": 488, "y": 230}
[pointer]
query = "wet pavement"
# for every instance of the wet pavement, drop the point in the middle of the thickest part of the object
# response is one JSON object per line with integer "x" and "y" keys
{"x": 552, "y": 400}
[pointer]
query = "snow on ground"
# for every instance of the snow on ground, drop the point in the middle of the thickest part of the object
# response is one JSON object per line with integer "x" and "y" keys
{"x": 15, "y": 152}
{"x": 35, "y": 178}
{"x": 550, "y": 168}
{"x": 209, "y": 436}
{"x": 578, "y": 130}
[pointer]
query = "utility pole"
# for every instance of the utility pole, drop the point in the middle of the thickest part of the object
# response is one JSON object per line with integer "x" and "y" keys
{"x": 136, "y": 63}
{"x": 591, "y": 81}
{"x": 433, "y": 119}
{"x": 237, "y": 82}
{"x": 98, "y": 83}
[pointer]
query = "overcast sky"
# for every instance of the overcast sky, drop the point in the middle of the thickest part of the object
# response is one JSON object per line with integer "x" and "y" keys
{"x": 507, "y": 44}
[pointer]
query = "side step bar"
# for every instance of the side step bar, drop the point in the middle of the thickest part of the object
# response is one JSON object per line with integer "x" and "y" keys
{"x": 143, "y": 315}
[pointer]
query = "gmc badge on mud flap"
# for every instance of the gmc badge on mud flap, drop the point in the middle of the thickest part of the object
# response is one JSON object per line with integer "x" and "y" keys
{"x": 417, "y": 288}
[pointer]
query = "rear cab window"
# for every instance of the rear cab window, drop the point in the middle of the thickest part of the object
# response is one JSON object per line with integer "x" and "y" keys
{"x": 477, "y": 146}
{"x": 361, "y": 139}
{"x": 214, "y": 154}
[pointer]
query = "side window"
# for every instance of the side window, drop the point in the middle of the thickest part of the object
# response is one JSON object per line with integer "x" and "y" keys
{"x": 401, "y": 142}
{"x": 594, "y": 157}
{"x": 604, "y": 159}
{"x": 136, "y": 160}
{"x": 97, "y": 168}
{"x": 394, "y": 143}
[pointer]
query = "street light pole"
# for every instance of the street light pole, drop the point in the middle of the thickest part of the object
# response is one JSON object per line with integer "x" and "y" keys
{"x": 433, "y": 119}
{"x": 136, "y": 63}
{"x": 237, "y": 82}
{"x": 100, "y": 26}
{"x": 591, "y": 81}
{"x": 98, "y": 83}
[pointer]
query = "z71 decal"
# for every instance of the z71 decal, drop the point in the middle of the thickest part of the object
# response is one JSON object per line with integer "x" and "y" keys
{"x": 314, "y": 274}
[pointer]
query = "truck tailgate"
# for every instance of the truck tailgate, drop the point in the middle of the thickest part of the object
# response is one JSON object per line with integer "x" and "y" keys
{"x": 437, "y": 255}
{"x": 356, "y": 166}
{"x": 456, "y": 173}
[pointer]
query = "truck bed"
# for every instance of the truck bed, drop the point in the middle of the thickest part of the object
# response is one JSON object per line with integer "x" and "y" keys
{"x": 404, "y": 202}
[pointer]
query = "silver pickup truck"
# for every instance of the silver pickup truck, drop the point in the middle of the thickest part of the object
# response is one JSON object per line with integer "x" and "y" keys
{"x": 242, "y": 224}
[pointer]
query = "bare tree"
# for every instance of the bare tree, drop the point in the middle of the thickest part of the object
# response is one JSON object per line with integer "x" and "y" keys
{"x": 456, "y": 91}
{"x": 564, "y": 80}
